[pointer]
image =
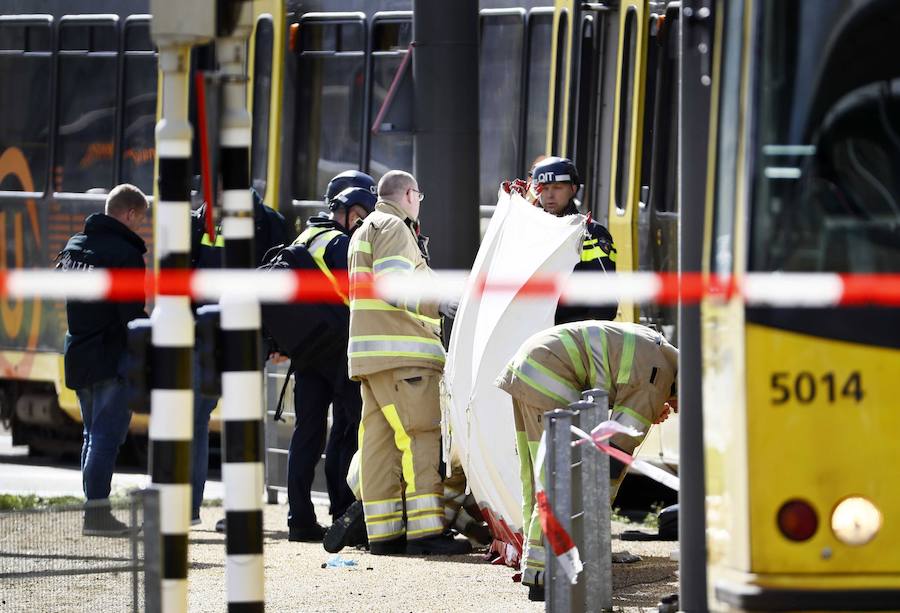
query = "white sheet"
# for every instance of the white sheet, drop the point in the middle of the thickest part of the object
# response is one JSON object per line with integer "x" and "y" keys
{"x": 521, "y": 241}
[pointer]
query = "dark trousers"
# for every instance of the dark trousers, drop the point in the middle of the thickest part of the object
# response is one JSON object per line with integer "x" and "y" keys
{"x": 314, "y": 390}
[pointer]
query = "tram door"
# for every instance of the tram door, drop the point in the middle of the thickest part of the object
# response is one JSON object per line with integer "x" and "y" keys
{"x": 800, "y": 412}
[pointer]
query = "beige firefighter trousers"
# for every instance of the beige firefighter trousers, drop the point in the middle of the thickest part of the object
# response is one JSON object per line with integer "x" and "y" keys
{"x": 529, "y": 427}
{"x": 529, "y": 421}
{"x": 399, "y": 442}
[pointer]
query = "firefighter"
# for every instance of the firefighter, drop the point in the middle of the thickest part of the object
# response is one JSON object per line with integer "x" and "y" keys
{"x": 635, "y": 364}
{"x": 461, "y": 513}
{"x": 395, "y": 351}
{"x": 315, "y": 387}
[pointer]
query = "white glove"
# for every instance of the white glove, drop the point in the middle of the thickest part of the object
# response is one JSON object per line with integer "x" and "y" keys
{"x": 448, "y": 308}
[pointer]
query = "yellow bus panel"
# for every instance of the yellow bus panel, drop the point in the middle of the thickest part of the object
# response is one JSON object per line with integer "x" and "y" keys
{"x": 818, "y": 411}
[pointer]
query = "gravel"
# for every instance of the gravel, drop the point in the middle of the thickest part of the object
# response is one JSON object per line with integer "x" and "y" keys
{"x": 296, "y": 581}
{"x": 295, "y": 577}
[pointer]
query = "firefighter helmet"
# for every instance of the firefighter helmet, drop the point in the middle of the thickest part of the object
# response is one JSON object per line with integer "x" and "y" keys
{"x": 353, "y": 196}
{"x": 555, "y": 170}
{"x": 349, "y": 178}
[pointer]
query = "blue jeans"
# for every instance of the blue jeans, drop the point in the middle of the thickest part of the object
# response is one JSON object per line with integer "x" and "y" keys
{"x": 106, "y": 418}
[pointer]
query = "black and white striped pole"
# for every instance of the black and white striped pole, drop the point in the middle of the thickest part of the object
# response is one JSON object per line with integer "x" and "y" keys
{"x": 242, "y": 409}
{"x": 176, "y": 27}
{"x": 171, "y": 395}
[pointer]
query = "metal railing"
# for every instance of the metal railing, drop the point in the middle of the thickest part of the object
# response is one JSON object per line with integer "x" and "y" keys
{"x": 50, "y": 560}
{"x": 578, "y": 491}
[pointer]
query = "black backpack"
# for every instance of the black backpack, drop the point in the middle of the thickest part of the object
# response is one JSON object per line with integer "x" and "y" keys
{"x": 309, "y": 333}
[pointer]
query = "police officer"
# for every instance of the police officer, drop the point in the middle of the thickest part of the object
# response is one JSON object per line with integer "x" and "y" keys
{"x": 96, "y": 343}
{"x": 395, "y": 351}
{"x": 635, "y": 364}
{"x": 556, "y": 182}
{"x": 326, "y": 238}
{"x": 270, "y": 229}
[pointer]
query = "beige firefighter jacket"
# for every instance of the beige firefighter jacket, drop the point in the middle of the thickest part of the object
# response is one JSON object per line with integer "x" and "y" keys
{"x": 634, "y": 363}
{"x": 384, "y": 335}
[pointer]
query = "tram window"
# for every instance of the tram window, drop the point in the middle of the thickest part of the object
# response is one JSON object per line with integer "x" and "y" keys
{"x": 329, "y": 105}
{"x": 562, "y": 33}
{"x": 664, "y": 149}
{"x": 391, "y": 144}
{"x": 25, "y": 63}
{"x": 827, "y": 172}
{"x": 722, "y": 250}
{"x": 500, "y": 91}
{"x": 335, "y": 37}
{"x": 540, "y": 31}
{"x": 661, "y": 249}
{"x": 391, "y": 35}
{"x": 139, "y": 106}
{"x": 262, "y": 86}
{"x": 87, "y": 108}
{"x": 580, "y": 124}
{"x": 626, "y": 87}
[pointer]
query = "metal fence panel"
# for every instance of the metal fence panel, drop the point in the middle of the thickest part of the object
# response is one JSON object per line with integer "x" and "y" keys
{"x": 48, "y": 564}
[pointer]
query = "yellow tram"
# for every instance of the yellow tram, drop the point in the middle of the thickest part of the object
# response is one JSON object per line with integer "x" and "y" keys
{"x": 802, "y": 504}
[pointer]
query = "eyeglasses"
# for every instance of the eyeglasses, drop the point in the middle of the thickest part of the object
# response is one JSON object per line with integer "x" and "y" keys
{"x": 421, "y": 194}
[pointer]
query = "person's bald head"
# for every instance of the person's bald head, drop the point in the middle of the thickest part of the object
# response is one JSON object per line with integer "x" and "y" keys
{"x": 401, "y": 187}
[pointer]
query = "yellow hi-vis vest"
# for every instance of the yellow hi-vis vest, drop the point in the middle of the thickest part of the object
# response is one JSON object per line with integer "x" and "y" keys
{"x": 316, "y": 240}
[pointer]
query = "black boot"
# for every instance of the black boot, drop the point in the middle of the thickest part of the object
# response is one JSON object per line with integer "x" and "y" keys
{"x": 536, "y": 593}
{"x": 438, "y": 545}
{"x": 389, "y": 547}
{"x": 310, "y": 533}
{"x": 99, "y": 521}
{"x": 347, "y": 530}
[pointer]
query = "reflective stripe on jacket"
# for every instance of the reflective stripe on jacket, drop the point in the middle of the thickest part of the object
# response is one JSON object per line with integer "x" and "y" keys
{"x": 385, "y": 335}
{"x": 634, "y": 363}
{"x": 316, "y": 240}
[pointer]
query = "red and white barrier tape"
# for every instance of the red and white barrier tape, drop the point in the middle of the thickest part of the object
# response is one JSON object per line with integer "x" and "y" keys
{"x": 584, "y": 288}
{"x": 558, "y": 538}
{"x": 604, "y": 431}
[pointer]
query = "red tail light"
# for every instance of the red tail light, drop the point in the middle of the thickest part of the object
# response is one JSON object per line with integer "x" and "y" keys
{"x": 797, "y": 520}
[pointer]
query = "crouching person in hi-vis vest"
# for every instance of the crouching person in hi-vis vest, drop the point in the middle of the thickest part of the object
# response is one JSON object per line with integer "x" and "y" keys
{"x": 635, "y": 364}
{"x": 395, "y": 351}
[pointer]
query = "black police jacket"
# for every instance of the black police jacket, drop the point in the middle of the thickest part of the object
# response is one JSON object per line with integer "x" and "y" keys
{"x": 598, "y": 255}
{"x": 270, "y": 230}
{"x": 95, "y": 342}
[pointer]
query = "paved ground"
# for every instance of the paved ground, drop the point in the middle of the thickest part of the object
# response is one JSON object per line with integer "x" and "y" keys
{"x": 295, "y": 579}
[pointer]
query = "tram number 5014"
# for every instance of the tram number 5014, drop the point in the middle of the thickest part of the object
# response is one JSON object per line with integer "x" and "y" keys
{"x": 804, "y": 387}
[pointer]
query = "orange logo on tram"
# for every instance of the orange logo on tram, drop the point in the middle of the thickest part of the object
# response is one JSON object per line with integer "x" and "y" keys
{"x": 13, "y": 163}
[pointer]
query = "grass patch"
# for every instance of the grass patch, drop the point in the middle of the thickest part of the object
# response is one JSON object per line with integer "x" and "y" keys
{"x": 21, "y": 502}
{"x": 650, "y": 521}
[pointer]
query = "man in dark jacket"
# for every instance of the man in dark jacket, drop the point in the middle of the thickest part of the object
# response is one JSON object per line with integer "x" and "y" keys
{"x": 270, "y": 229}
{"x": 96, "y": 343}
{"x": 326, "y": 237}
{"x": 556, "y": 180}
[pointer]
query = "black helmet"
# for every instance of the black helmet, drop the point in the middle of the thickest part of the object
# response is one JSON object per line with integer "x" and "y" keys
{"x": 349, "y": 178}
{"x": 555, "y": 170}
{"x": 353, "y": 196}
